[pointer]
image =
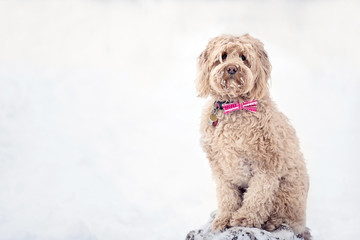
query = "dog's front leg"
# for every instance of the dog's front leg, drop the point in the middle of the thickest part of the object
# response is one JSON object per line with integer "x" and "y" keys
{"x": 258, "y": 201}
{"x": 229, "y": 200}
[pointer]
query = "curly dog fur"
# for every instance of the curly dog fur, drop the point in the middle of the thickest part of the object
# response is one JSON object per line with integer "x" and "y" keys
{"x": 255, "y": 157}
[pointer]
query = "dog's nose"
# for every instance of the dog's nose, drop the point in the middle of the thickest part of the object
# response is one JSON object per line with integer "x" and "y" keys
{"x": 231, "y": 69}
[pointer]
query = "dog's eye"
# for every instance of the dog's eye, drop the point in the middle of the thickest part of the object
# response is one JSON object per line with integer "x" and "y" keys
{"x": 224, "y": 56}
{"x": 243, "y": 57}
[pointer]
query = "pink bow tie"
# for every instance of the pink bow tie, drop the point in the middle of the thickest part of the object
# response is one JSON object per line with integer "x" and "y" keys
{"x": 251, "y": 106}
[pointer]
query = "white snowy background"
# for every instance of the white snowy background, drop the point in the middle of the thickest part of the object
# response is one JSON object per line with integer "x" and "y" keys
{"x": 99, "y": 117}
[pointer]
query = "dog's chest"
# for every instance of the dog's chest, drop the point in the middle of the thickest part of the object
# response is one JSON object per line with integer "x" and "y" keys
{"x": 234, "y": 132}
{"x": 227, "y": 145}
{"x": 237, "y": 171}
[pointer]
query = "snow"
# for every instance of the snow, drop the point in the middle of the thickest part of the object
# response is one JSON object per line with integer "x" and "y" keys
{"x": 99, "y": 117}
{"x": 242, "y": 233}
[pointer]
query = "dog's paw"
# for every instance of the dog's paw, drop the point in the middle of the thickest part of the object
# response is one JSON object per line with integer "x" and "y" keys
{"x": 220, "y": 222}
{"x": 272, "y": 224}
{"x": 245, "y": 220}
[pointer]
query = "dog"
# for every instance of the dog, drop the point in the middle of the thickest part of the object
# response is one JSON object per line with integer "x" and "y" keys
{"x": 252, "y": 149}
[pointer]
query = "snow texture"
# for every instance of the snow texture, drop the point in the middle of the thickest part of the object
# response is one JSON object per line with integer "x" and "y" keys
{"x": 241, "y": 233}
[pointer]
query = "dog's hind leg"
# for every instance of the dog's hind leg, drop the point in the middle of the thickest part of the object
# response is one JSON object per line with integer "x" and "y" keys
{"x": 290, "y": 205}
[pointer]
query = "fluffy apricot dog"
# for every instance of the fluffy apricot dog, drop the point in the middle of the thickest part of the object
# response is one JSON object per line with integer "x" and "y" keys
{"x": 253, "y": 151}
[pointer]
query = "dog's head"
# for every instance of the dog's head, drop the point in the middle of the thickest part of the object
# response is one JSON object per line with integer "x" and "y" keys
{"x": 233, "y": 67}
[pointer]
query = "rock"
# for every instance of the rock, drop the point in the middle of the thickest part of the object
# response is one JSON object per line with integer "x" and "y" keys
{"x": 284, "y": 232}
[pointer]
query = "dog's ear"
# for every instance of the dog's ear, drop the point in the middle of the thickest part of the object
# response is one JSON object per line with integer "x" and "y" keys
{"x": 202, "y": 81}
{"x": 261, "y": 69}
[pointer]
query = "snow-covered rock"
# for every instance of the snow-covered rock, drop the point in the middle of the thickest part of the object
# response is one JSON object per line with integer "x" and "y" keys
{"x": 284, "y": 232}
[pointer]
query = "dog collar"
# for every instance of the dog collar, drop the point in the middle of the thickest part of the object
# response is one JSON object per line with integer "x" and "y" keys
{"x": 230, "y": 107}
{"x": 219, "y": 104}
